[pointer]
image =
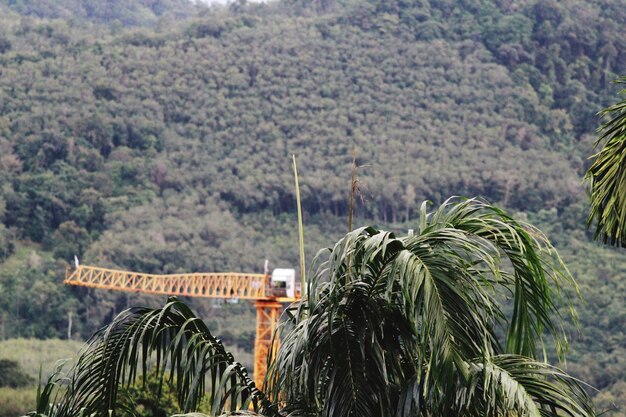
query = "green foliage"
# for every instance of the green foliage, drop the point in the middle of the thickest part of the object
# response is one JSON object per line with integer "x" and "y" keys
{"x": 5, "y": 44}
{"x": 12, "y": 376}
{"x": 70, "y": 239}
{"x": 43, "y": 304}
{"x": 131, "y": 137}
{"x": 407, "y": 326}
{"x": 16, "y": 402}
{"x": 7, "y": 247}
{"x": 150, "y": 397}
{"x": 122, "y": 11}
{"x": 34, "y": 355}
{"x": 607, "y": 177}
{"x": 176, "y": 342}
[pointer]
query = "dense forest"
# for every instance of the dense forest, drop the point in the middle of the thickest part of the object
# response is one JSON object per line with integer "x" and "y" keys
{"x": 157, "y": 135}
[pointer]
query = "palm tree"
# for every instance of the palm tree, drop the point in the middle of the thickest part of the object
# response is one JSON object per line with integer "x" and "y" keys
{"x": 392, "y": 326}
{"x": 607, "y": 177}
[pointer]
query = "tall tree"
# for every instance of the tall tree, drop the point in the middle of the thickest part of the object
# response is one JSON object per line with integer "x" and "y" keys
{"x": 407, "y": 326}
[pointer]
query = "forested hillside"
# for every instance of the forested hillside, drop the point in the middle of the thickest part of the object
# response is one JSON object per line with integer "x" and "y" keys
{"x": 158, "y": 138}
{"x": 117, "y": 12}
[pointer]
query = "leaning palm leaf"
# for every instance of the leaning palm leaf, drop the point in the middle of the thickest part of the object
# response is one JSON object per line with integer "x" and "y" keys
{"x": 537, "y": 269}
{"x": 47, "y": 393}
{"x": 515, "y": 385}
{"x": 392, "y": 323}
{"x": 607, "y": 176}
{"x": 177, "y": 345}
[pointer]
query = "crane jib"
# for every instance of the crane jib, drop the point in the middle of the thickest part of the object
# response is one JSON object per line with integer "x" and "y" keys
{"x": 228, "y": 285}
{"x": 210, "y": 285}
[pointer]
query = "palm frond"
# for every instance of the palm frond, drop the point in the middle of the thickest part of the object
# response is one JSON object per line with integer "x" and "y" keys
{"x": 391, "y": 323}
{"x": 537, "y": 269}
{"x": 607, "y": 176}
{"x": 342, "y": 326}
{"x": 47, "y": 394}
{"x": 516, "y": 385}
{"x": 177, "y": 345}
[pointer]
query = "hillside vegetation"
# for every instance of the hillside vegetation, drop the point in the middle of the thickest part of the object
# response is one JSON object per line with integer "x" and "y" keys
{"x": 158, "y": 138}
{"x": 118, "y": 12}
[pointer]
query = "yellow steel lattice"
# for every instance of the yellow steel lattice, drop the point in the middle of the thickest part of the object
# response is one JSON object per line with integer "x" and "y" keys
{"x": 210, "y": 285}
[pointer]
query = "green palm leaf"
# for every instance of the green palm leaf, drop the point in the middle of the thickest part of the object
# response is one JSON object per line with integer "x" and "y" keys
{"x": 508, "y": 384}
{"x": 391, "y": 323}
{"x": 607, "y": 177}
{"x": 176, "y": 344}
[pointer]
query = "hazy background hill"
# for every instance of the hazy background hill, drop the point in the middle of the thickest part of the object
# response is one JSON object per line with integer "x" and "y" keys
{"x": 157, "y": 136}
{"x": 123, "y": 12}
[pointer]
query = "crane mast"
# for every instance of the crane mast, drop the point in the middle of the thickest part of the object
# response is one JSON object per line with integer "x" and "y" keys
{"x": 229, "y": 285}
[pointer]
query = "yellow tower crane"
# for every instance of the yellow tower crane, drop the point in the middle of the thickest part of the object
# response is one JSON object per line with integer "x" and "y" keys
{"x": 269, "y": 292}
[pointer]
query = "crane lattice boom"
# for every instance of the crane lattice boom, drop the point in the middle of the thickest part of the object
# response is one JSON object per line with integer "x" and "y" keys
{"x": 229, "y": 285}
